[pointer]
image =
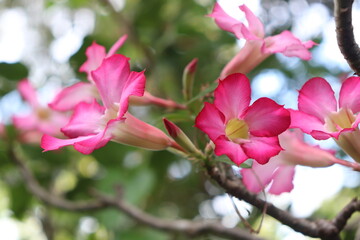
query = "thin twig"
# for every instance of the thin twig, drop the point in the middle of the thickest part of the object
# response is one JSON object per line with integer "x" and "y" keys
{"x": 188, "y": 227}
{"x": 243, "y": 220}
{"x": 345, "y": 33}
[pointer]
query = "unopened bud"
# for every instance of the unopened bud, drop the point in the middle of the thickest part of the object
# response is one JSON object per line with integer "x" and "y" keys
{"x": 188, "y": 79}
{"x": 135, "y": 132}
{"x": 180, "y": 138}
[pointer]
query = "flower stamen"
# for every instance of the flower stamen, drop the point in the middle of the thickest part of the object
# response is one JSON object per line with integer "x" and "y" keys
{"x": 236, "y": 129}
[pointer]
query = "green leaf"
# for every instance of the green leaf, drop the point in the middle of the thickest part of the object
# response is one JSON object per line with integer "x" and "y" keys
{"x": 224, "y": 159}
{"x": 247, "y": 164}
{"x": 15, "y": 71}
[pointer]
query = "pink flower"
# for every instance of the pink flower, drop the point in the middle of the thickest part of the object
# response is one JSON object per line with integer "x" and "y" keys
{"x": 323, "y": 117}
{"x": 96, "y": 54}
{"x": 257, "y": 47}
{"x": 42, "y": 120}
{"x": 87, "y": 91}
{"x": 279, "y": 172}
{"x": 93, "y": 125}
{"x": 241, "y": 131}
{"x": 69, "y": 97}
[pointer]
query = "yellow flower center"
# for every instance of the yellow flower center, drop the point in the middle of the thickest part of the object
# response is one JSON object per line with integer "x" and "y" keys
{"x": 236, "y": 129}
{"x": 340, "y": 120}
{"x": 43, "y": 113}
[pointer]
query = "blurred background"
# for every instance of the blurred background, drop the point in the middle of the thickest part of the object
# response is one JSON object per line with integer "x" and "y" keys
{"x": 45, "y": 41}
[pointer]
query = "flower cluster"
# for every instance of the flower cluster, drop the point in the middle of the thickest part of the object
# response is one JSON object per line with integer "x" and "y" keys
{"x": 100, "y": 108}
{"x": 264, "y": 131}
{"x": 93, "y": 125}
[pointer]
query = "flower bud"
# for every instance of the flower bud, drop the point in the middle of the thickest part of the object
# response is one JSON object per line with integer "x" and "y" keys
{"x": 180, "y": 137}
{"x": 137, "y": 133}
{"x": 188, "y": 79}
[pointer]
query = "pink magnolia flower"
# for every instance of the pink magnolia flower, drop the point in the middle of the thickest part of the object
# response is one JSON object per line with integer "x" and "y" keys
{"x": 241, "y": 131}
{"x": 323, "y": 117}
{"x": 93, "y": 125}
{"x": 279, "y": 172}
{"x": 257, "y": 47}
{"x": 41, "y": 120}
{"x": 87, "y": 91}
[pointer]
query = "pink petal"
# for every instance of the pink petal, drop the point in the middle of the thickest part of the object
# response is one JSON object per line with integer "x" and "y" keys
{"x": 52, "y": 125}
{"x": 283, "y": 180}
{"x": 28, "y": 122}
{"x": 230, "y": 149}
{"x": 110, "y": 78}
{"x": 266, "y": 118}
{"x": 117, "y": 45}
{"x": 243, "y": 32}
{"x": 317, "y": 98}
{"x": 350, "y": 94}
{"x": 95, "y": 55}
{"x": 30, "y": 137}
{"x": 262, "y": 149}
{"x": 323, "y": 135}
{"x": 287, "y": 44}
{"x": 87, "y": 146}
{"x": 298, "y": 152}
{"x": 134, "y": 86}
{"x": 49, "y": 143}
{"x": 259, "y": 176}
{"x": 41, "y": 120}
{"x": 87, "y": 119}
{"x": 148, "y": 99}
{"x": 222, "y": 19}
{"x": 232, "y": 96}
{"x": 69, "y": 97}
{"x": 255, "y": 25}
{"x": 83, "y": 144}
{"x": 307, "y": 123}
{"x": 28, "y": 92}
{"x": 210, "y": 121}
{"x": 245, "y": 60}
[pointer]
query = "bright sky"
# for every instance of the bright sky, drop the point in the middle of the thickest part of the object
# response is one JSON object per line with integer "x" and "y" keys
{"x": 312, "y": 186}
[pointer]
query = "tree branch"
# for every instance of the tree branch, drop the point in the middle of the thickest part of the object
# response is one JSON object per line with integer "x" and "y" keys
{"x": 35, "y": 188}
{"x": 191, "y": 228}
{"x": 345, "y": 35}
{"x": 344, "y": 215}
{"x": 188, "y": 227}
{"x": 320, "y": 228}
